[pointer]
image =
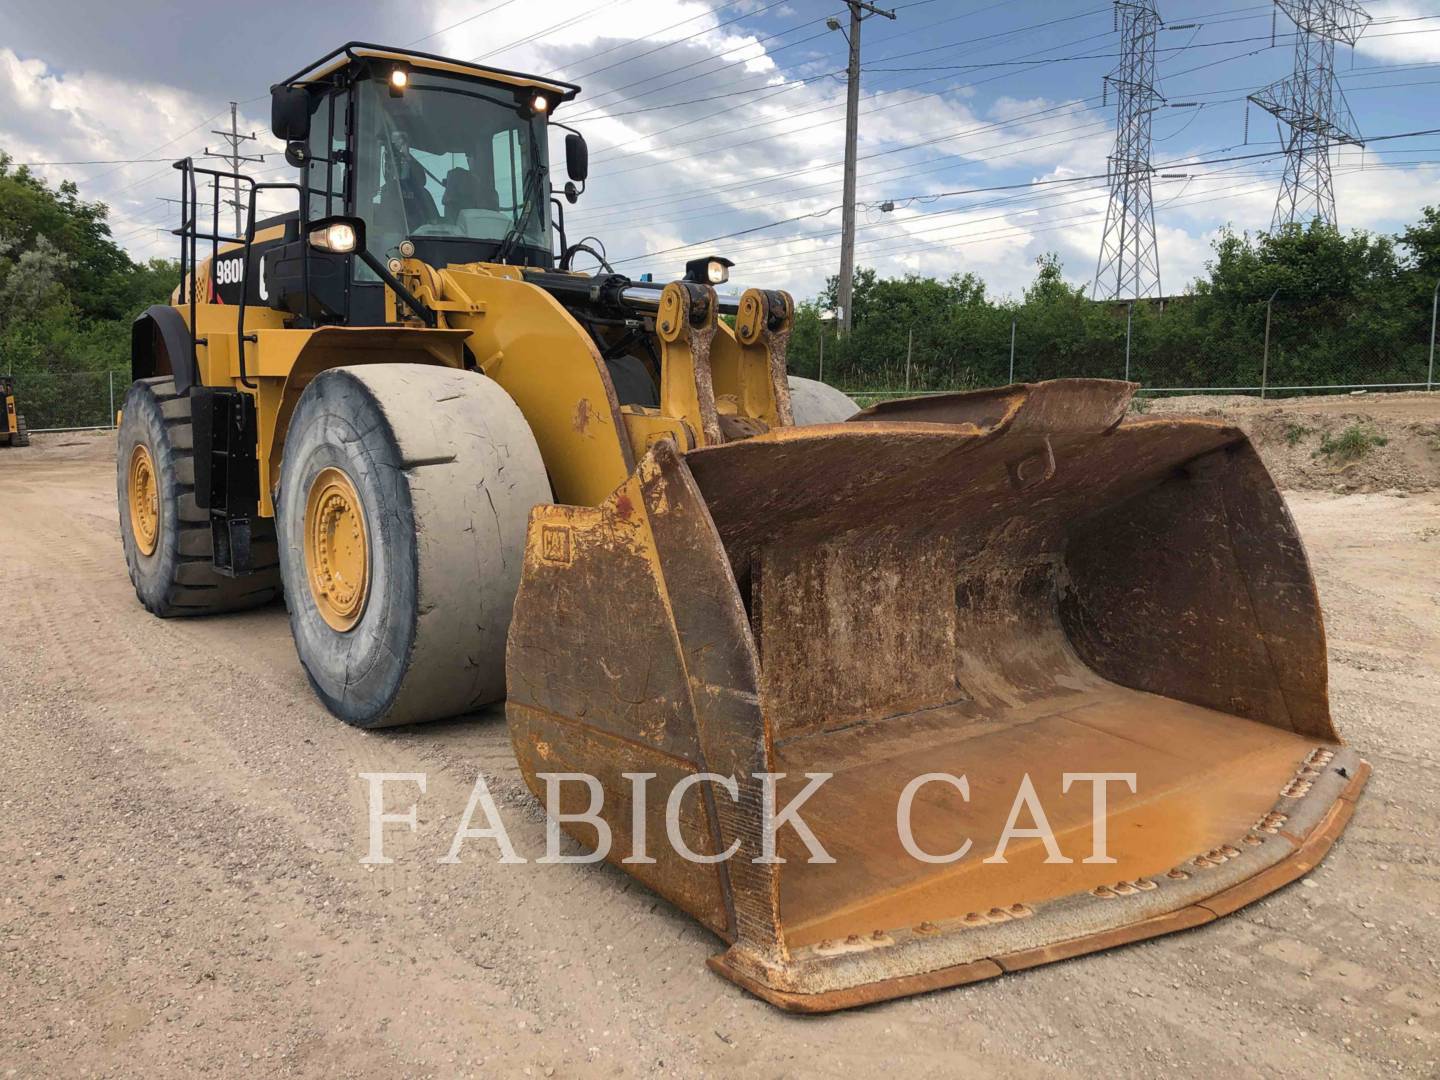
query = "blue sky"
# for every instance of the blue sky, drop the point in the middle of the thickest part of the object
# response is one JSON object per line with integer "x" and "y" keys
{"x": 709, "y": 118}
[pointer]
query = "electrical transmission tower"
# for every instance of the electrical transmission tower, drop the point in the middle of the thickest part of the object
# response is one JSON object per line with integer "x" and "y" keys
{"x": 1129, "y": 265}
{"x": 234, "y": 158}
{"x": 1311, "y": 103}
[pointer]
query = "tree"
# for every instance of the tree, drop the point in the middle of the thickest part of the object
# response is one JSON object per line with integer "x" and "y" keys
{"x": 67, "y": 295}
{"x": 1349, "y": 308}
{"x": 1422, "y": 243}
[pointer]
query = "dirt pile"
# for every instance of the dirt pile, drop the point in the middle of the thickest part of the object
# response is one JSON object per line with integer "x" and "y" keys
{"x": 1341, "y": 443}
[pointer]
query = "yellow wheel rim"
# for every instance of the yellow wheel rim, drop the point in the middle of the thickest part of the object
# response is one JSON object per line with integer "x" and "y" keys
{"x": 144, "y": 492}
{"x": 337, "y": 551}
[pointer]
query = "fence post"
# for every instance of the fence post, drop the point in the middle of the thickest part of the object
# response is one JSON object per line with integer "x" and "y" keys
{"x": 1129, "y": 319}
{"x": 909, "y": 348}
{"x": 112, "y": 397}
{"x": 821, "y": 376}
{"x": 1434, "y": 305}
{"x": 1013, "y": 319}
{"x": 1265, "y": 359}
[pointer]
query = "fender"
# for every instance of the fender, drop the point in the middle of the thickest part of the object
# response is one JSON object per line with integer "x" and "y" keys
{"x": 160, "y": 345}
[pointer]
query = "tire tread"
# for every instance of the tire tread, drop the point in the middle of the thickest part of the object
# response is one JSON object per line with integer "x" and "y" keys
{"x": 194, "y": 586}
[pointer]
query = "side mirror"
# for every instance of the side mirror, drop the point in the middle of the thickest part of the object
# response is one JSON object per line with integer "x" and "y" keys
{"x": 290, "y": 113}
{"x": 297, "y": 153}
{"x": 577, "y": 157}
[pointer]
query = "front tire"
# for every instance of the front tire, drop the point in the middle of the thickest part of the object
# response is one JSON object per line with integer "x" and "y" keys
{"x": 166, "y": 536}
{"x": 405, "y": 494}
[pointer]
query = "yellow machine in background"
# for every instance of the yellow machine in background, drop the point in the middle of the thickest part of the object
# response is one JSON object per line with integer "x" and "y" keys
{"x": 13, "y": 431}
{"x": 479, "y": 474}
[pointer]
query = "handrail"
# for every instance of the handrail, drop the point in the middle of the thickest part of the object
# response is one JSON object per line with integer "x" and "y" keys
{"x": 190, "y": 235}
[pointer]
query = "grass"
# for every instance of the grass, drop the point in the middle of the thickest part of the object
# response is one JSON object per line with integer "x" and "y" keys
{"x": 1140, "y": 404}
{"x": 1295, "y": 432}
{"x": 1353, "y": 443}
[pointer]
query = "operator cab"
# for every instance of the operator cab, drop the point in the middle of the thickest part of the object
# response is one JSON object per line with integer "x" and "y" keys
{"x": 449, "y": 156}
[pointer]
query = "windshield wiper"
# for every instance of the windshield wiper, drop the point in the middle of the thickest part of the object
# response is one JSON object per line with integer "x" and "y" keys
{"x": 533, "y": 176}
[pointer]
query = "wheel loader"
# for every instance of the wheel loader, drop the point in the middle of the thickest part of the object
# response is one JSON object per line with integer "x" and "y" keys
{"x": 723, "y": 593}
{"x": 13, "y": 431}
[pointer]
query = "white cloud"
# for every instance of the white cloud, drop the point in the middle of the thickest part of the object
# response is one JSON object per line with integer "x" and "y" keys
{"x": 1403, "y": 31}
{"x": 762, "y": 148}
{"x": 46, "y": 115}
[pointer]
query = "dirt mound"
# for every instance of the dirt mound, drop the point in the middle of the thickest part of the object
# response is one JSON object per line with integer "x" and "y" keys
{"x": 1342, "y": 443}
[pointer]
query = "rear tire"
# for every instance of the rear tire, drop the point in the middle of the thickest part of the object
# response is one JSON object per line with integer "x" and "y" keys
{"x": 405, "y": 495}
{"x": 813, "y": 402}
{"x": 166, "y": 536}
{"x": 22, "y": 433}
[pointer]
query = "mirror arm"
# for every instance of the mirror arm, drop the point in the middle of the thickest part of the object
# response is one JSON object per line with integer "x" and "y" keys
{"x": 560, "y": 223}
{"x": 426, "y": 315}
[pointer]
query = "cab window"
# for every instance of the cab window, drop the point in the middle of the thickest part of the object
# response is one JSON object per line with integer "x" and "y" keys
{"x": 450, "y": 158}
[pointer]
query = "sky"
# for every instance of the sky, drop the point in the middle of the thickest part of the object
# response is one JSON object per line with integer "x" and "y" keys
{"x": 980, "y": 121}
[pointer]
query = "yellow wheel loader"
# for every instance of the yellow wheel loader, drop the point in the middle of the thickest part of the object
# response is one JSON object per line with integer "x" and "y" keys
{"x": 889, "y": 700}
{"x": 13, "y": 431}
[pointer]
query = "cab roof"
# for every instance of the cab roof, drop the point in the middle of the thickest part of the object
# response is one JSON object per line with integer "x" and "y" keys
{"x": 355, "y": 52}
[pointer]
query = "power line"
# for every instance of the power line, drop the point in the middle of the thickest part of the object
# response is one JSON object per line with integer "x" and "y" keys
{"x": 603, "y": 111}
{"x": 982, "y": 190}
{"x": 811, "y": 259}
{"x": 600, "y": 111}
{"x": 670, "y": 44}
{"x": 753, "y": 182}
{"x": 637, "y": 204}
{"x": 806, "y": 260}
{"x": 561, "y": 25}
{"x": 945, "y": 162}
{"x": 1067, "y": 106}
{"x": 757, "y": 182}
{"x": 462, "y": 22}
{"x": 822, "y": 109}
{"x": 106, "y": 161}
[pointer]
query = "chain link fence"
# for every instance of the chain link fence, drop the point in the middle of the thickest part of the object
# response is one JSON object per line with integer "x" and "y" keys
{"x": 1277, "y": 347}
{"x": 61, "y": 401}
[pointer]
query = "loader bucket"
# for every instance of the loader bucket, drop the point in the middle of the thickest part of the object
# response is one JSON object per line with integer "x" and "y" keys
{"x": 1009, "y": 587}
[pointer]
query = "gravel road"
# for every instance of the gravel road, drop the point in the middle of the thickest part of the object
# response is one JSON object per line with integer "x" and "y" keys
{"x": 181, "y": 889}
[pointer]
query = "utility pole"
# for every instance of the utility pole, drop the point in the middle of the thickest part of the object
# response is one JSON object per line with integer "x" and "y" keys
{"x": 234, "y": 158}
{"x": 859, "y": 12}
{"x": 1312, "y": 105}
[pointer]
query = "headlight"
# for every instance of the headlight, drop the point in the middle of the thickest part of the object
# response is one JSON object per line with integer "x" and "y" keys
{"x": 714, "y": 270}
{"x": 540, "y": 103}
{"x": 339, "y": 237}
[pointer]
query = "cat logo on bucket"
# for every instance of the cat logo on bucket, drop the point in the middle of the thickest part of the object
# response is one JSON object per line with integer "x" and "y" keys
{"x": 555, "y": 544}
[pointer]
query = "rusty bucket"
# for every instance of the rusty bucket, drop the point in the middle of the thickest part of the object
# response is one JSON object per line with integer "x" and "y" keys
{"x": 1011, "y": 587}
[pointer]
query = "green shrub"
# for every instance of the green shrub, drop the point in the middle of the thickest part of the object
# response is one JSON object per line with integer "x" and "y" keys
{"x": 1353, "y": 443}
